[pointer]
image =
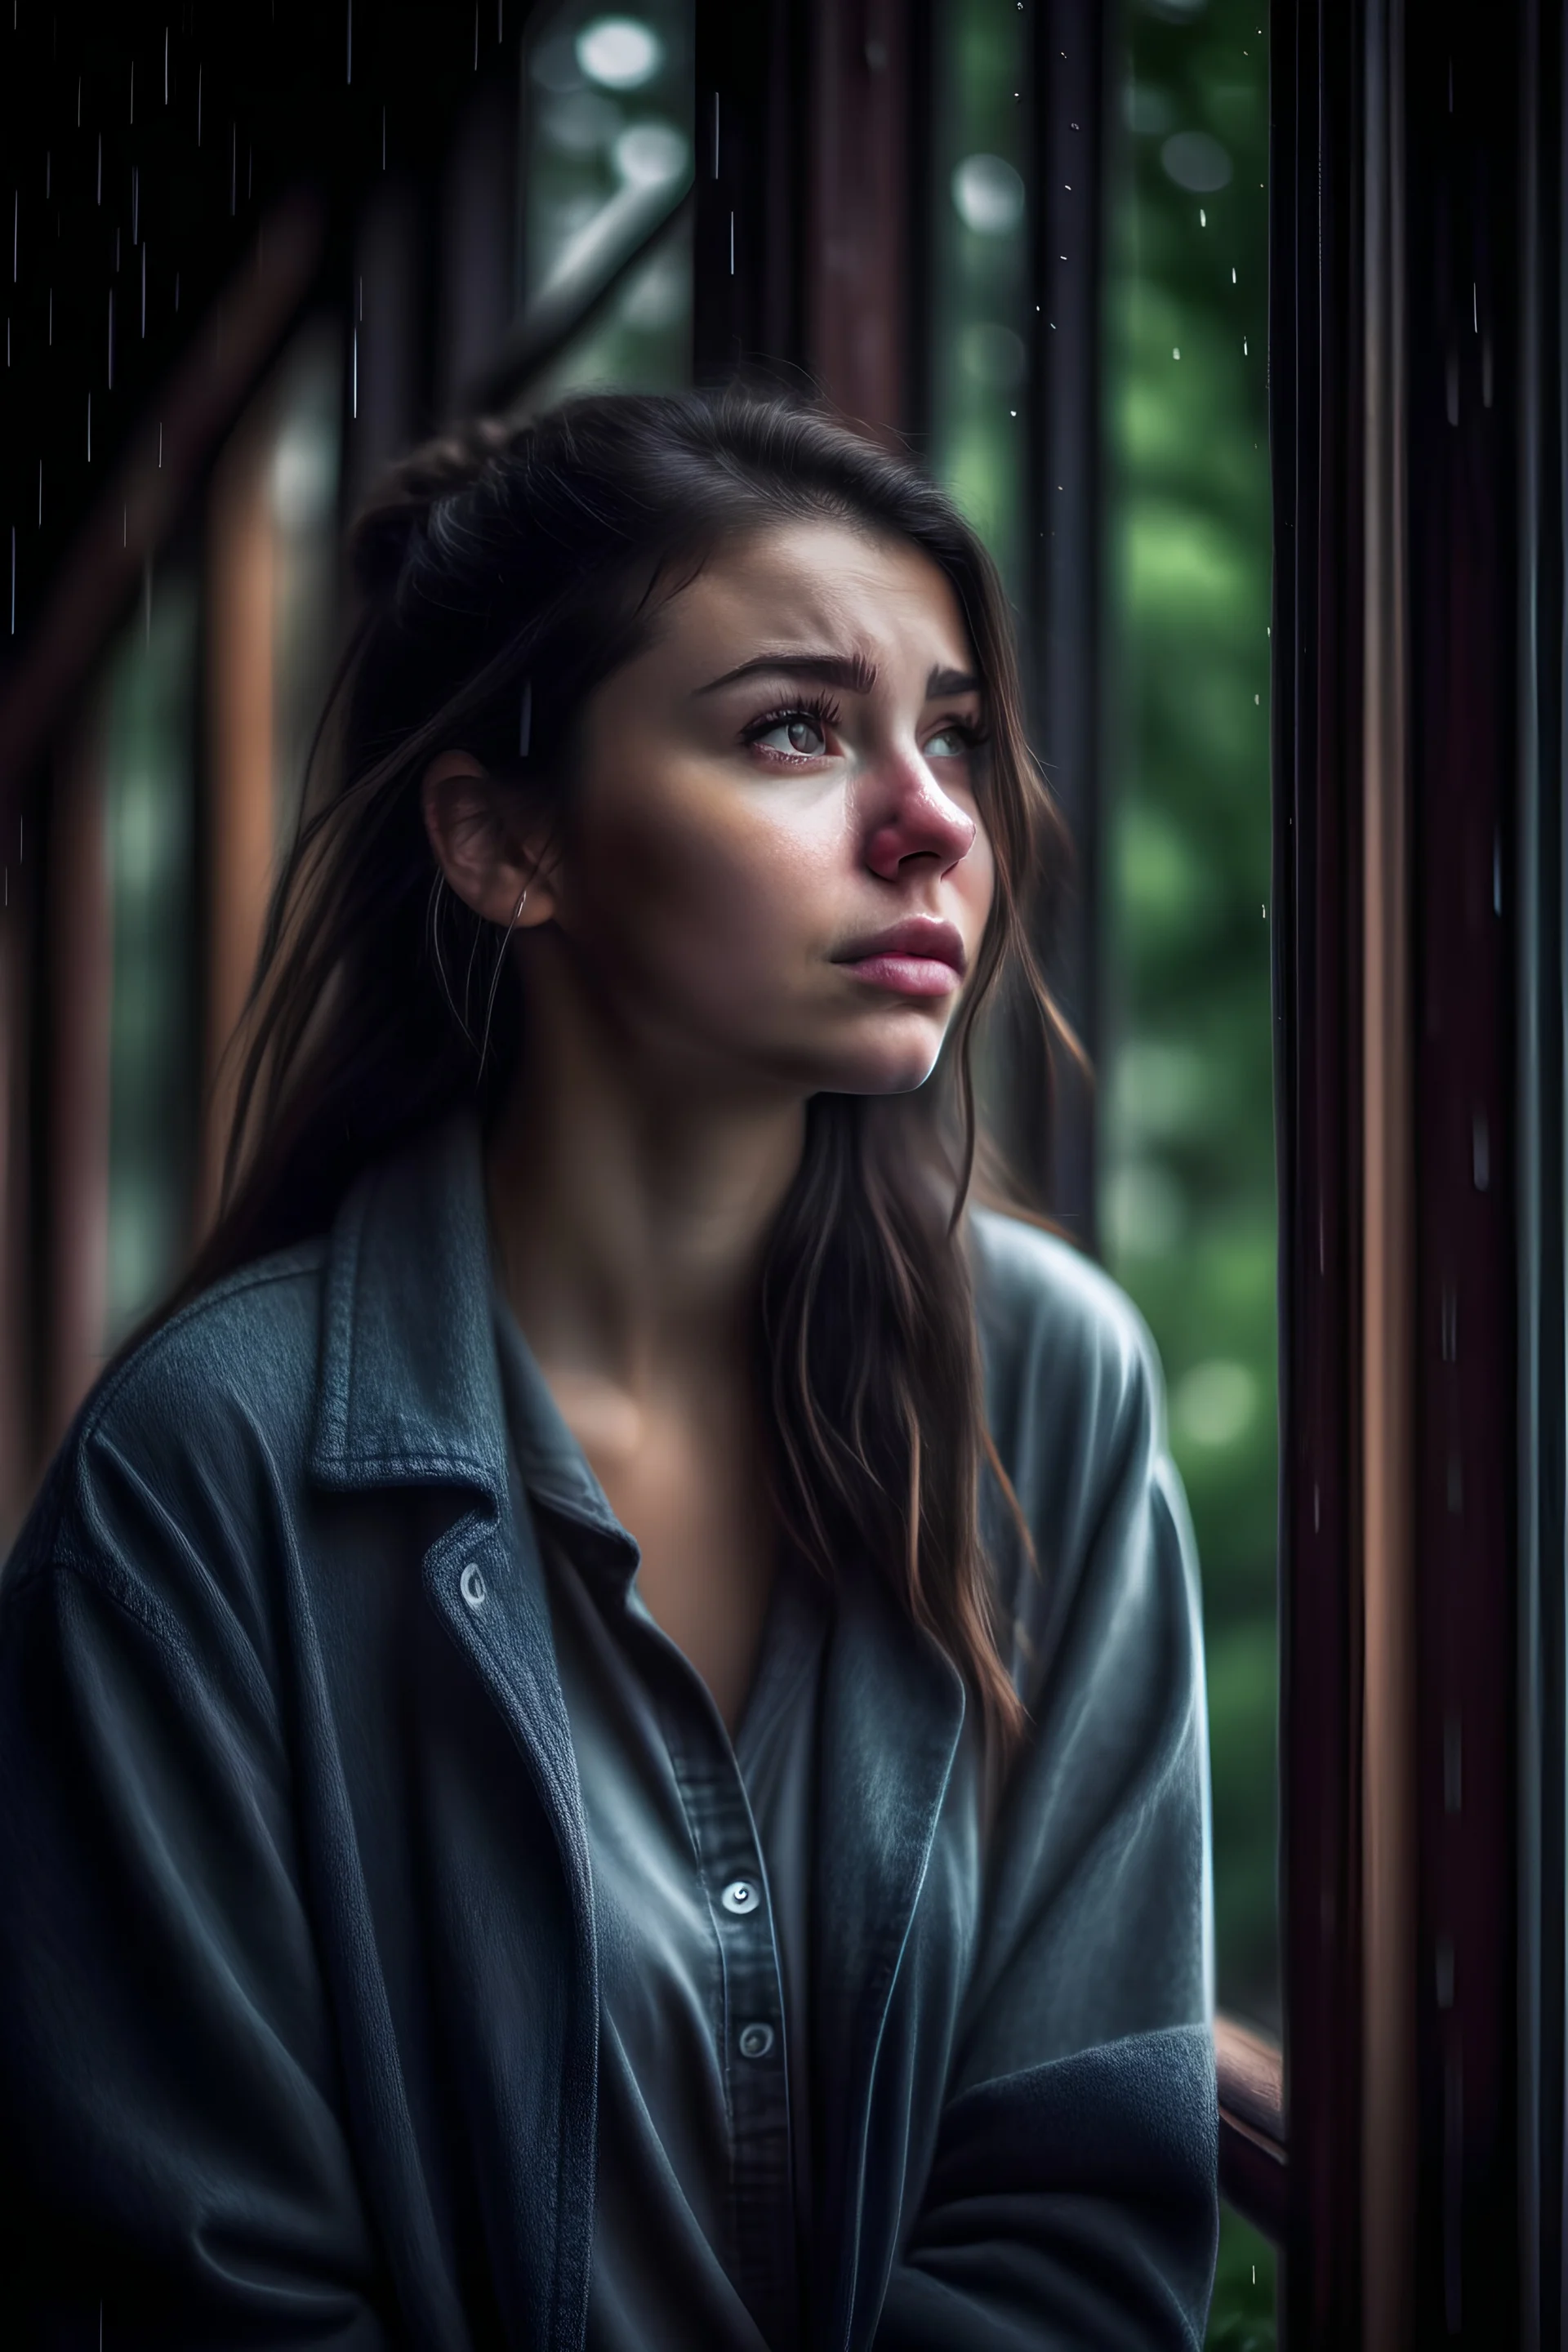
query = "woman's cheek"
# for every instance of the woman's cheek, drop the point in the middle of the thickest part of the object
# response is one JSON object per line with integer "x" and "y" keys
{"x": 691, "y": 894}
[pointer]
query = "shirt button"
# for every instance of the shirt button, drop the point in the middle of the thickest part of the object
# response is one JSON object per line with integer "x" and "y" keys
{"x": 471, "y": 1585}
{"x": 756, "y": 2041}
{"x": 739, "y": 1895}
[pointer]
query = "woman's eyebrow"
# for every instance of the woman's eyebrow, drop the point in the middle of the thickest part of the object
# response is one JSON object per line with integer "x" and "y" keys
{"x": 852, "y": 672}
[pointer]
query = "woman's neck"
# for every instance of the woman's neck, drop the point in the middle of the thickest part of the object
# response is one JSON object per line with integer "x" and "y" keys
{"x": 631, "y": 1211}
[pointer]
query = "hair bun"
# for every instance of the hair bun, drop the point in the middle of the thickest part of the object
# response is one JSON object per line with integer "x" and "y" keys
{"x": 401, "y": 503}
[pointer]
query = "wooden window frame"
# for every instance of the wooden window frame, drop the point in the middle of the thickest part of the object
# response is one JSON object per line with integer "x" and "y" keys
{"x": 1417, "y": 395}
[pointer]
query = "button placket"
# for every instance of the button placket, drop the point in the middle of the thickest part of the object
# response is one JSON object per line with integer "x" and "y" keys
{"x": 749, "y": 2020}
{"x": 753, "y": 1970}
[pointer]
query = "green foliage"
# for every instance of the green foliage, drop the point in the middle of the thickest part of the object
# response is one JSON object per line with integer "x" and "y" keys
{"x": 1188, "y": 1198}
{"x": 1188, "y": 1203}
{"x": 1241, "y": 2317}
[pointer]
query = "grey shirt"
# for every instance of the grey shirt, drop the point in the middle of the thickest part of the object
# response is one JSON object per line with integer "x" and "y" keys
{"x": 699, "y": 1860}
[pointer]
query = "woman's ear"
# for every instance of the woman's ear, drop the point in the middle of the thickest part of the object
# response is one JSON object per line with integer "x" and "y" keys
{"x": 486, "y": 858}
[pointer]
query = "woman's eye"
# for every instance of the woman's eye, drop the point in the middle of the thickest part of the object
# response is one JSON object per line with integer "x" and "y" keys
{"x": 951, "y": 742}
{"x": 801, "y": 733}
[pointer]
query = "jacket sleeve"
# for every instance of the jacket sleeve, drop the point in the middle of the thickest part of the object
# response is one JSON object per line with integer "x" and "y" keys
{"x": 1072, "y": 2201}
{"x": 174, "y": 2171}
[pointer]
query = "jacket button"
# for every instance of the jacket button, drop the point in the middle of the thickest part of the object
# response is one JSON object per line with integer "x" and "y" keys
{"x": 739, "y": 1895}
{"x": 756, "y": 2041}
{"x": 471, "y": 1585}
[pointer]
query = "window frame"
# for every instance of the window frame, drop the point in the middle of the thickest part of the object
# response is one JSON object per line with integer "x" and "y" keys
{"x": 1417, "y": 395}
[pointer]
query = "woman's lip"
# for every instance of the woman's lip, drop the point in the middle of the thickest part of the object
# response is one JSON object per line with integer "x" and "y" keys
{"x": 908, "y": 975}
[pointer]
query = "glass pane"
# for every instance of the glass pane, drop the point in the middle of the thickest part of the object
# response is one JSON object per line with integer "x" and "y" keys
{"x": 980, "y": 239}
{"x": 304, "y": 498}
{"x": 1187, "y": 1199}
{"x": 1242, "y": 2313}
{"x": 607, "y": 131}
{"x": 641, "y": 340}
{"x": 150, "y": 806}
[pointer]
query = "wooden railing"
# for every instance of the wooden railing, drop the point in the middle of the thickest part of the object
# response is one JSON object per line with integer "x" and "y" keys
{"x": 1252, "y": 2155}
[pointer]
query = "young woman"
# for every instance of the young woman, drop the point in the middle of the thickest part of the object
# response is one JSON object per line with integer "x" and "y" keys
{"x": 602, "y": 1721}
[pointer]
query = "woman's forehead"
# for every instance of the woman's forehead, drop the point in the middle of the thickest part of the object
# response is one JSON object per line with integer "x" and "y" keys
{"x": 820, "y": 587}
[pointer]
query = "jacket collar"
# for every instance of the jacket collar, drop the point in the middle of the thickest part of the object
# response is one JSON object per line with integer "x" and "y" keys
{"x": 409, "y": 1387}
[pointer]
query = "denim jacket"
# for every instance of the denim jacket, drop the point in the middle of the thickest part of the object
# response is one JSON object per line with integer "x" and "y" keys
{"x": 299, "y": 2000}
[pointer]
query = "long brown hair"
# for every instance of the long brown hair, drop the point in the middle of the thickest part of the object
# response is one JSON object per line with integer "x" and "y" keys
{"x": 509, "y": 564}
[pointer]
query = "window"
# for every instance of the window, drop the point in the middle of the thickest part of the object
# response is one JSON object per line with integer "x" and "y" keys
{"x": 978, "y": 356}
{"x": 605, "y": 243}
{"x": 149, "y": 838}
{"x": 1188, "y": 1217}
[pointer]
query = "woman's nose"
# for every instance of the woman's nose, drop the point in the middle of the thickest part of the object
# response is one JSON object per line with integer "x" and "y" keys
{"x": 910, "y": 816}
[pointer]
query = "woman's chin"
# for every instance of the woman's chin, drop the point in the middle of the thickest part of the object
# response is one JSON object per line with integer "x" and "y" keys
{"x": 898, "y": 1070}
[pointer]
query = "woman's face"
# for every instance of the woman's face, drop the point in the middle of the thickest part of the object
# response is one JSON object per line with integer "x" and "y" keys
{"x": 787, "y": 775}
